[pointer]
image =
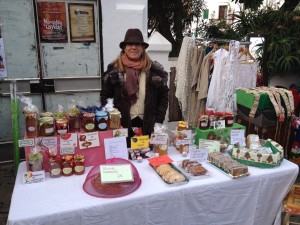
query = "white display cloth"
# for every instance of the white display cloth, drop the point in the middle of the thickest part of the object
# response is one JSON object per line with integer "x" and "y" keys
{"x": 219, "y": 199}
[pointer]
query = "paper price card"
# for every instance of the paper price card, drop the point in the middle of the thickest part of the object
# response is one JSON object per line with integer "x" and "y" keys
{"x": 120, "y": 132}
{"x": 116, "y": 173}
{"x": 34, "y": 177}
{"x": 46, "y": 143}
{"x": 159, "y": 139}
{"x": 116, "y": 148}
{"x": 237, "y": 136}
{"x": 68, "y": 142}
{"x": 140, "y": 142}
{"x": 157, "y": 161}
{"x": 211, "y": 145}
{"x": 199, "y": 154}
{"x": 88, "y": 140}
{"x": 26, "y": 142}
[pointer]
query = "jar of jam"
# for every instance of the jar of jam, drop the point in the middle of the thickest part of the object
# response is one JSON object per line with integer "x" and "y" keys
{"x": 89, "y": 122}
{"x": 114, "y": 121}
{"x": 74, "y": 122}
{"x": 79, "y": 166}
{"x": 67, "y": 169}
{"x": 203, "y": 122}
{"x": 31, "y": 122}
{"x": 229, "y": 119}
{"x": 46, "y": 126}
{"x": 161, "y": 149}
{"x": 54, "y": 168}
{"x": 61, "y": 125}
{"x": 101, "y": 120}
{"x": 212, "y": 120}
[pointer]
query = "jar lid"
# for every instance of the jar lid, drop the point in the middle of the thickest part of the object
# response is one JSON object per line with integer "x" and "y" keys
{"x": 46, "y": 119}
{"x": 101, "y": 113}
{"x": 46, "y": 114}
{"x": 89, "y": 115}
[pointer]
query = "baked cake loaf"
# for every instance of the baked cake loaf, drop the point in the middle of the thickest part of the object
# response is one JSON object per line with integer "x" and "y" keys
{"x": 228, "y": 164}
{"x": 109, "y": 188}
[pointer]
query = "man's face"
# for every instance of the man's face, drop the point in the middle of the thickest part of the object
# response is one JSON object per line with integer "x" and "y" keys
{"x": 134, "y": 51}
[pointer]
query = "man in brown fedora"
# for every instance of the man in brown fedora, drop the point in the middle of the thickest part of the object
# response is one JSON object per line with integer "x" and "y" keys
{"x": 137, "y": 85}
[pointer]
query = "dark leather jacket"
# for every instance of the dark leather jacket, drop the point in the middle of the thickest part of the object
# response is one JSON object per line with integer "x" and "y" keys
{"x": 156, "y": 98}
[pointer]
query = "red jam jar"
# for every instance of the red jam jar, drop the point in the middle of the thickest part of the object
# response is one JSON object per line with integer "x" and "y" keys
{"x": 61, "y": 125}
{"x": 67, "y": 169}
{"x": 203, "y": 122}
{"x": 74, "y": 122}
{"x": 89, "y": 122}
{"x": 229, "y": 119}
{"x": 54, "y": 168}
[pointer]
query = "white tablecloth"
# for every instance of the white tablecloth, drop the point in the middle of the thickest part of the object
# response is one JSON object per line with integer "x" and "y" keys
{"x": 219, "y": 199}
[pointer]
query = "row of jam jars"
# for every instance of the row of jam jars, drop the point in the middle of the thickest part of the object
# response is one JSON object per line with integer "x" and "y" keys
{"x": 67, "y": 166}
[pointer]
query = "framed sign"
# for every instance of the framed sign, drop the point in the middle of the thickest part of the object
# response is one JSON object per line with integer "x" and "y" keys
{"x": 52, "y": 22}
{"x": 82, "y": 22}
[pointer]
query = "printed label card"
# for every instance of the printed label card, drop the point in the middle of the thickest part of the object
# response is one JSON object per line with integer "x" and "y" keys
{"x": 199, "y": 154}
{"x": 68, "y": 143}
{"x": 34, "y": 177}
{"x": 88, "y": 140}
{"x": 237, "y": 136}
{"x": 211, "y": 145}
{"x": 116, "y": 173}
{"x": 46, "y": 143}
{"x": 116, "y": 148}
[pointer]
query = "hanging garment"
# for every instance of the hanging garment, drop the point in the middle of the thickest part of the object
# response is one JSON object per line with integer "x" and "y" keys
{"x": 196, "y": 64}
{"x": 183, "y": 78}
{"x": 213, "y": 96}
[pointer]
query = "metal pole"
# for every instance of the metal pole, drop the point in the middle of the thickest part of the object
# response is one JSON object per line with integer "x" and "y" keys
{"x": 15, "y": 123}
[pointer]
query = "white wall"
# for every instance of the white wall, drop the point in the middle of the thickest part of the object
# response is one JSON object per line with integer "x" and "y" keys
{"x": 117, "y": 17}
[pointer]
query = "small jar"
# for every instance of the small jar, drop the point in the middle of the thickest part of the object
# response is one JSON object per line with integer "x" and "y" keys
{"x": 46, "y": 126}
{"x": 79, "y": 167}
{"x": 212, "y": 120}
{"x": 31, "y": 123}
{"x": 181, "y": 125}
{"x": 35, "y": 162}
{"x": 203, "y": 122}
{"x": 74, "y": 122}
{"x": 89, "y": 122}
{"x": 162, "y": 149}
{"x": 114, "y": 121}
{"x": 229, "y": 119}
{"x": 61, "y": 125}
{"x": 67, "y": 168}
{"x": 101, "y": 120}
{"x": 54, "y": 168}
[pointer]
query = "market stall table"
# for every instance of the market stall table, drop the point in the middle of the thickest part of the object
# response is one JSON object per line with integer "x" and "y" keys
{"x": 218, "y": 199}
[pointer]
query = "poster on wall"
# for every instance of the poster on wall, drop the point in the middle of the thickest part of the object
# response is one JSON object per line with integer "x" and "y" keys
{"x": 3, "y": 70}
{"x": 52, "y": 22}
{"x": 82, "y": 22}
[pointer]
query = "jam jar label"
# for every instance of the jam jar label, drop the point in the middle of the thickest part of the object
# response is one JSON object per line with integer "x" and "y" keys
{"x": 62, "y": 131}
{"x": 102, "y": 126}
{"x": 90, "y": 126}
{"x": 49, "y": 130}
{"x": 31, "y": 128}
{"x": 56, "y": 171}
{"x": 79, "y": 169}
{"x": 67, "y": 170}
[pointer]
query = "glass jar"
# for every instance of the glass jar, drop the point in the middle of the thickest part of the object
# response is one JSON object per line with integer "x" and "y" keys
{"x": 35, "y": 162}
{"x": 161, "y": 149}
{"x": 181, "y": 125}
{"x": 46, "y": 126}
{"x": 74, "y": 122}
{"x": 229, "y": 119}
{"x": 61, "y": 125}
{"x": 203, "y": 122}
{"x": 54, "y": 168}
{"x": 89, "y": 122}
{"x": 31, "y": 123}
{"x": 101, "y": 120}
{"x": 67, "y": 168}
{"x": 114, "y": 121}
{"x": 79, "y": 167}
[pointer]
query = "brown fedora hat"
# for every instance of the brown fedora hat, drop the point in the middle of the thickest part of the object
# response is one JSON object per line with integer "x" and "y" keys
{"x": 133, "y": 36}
